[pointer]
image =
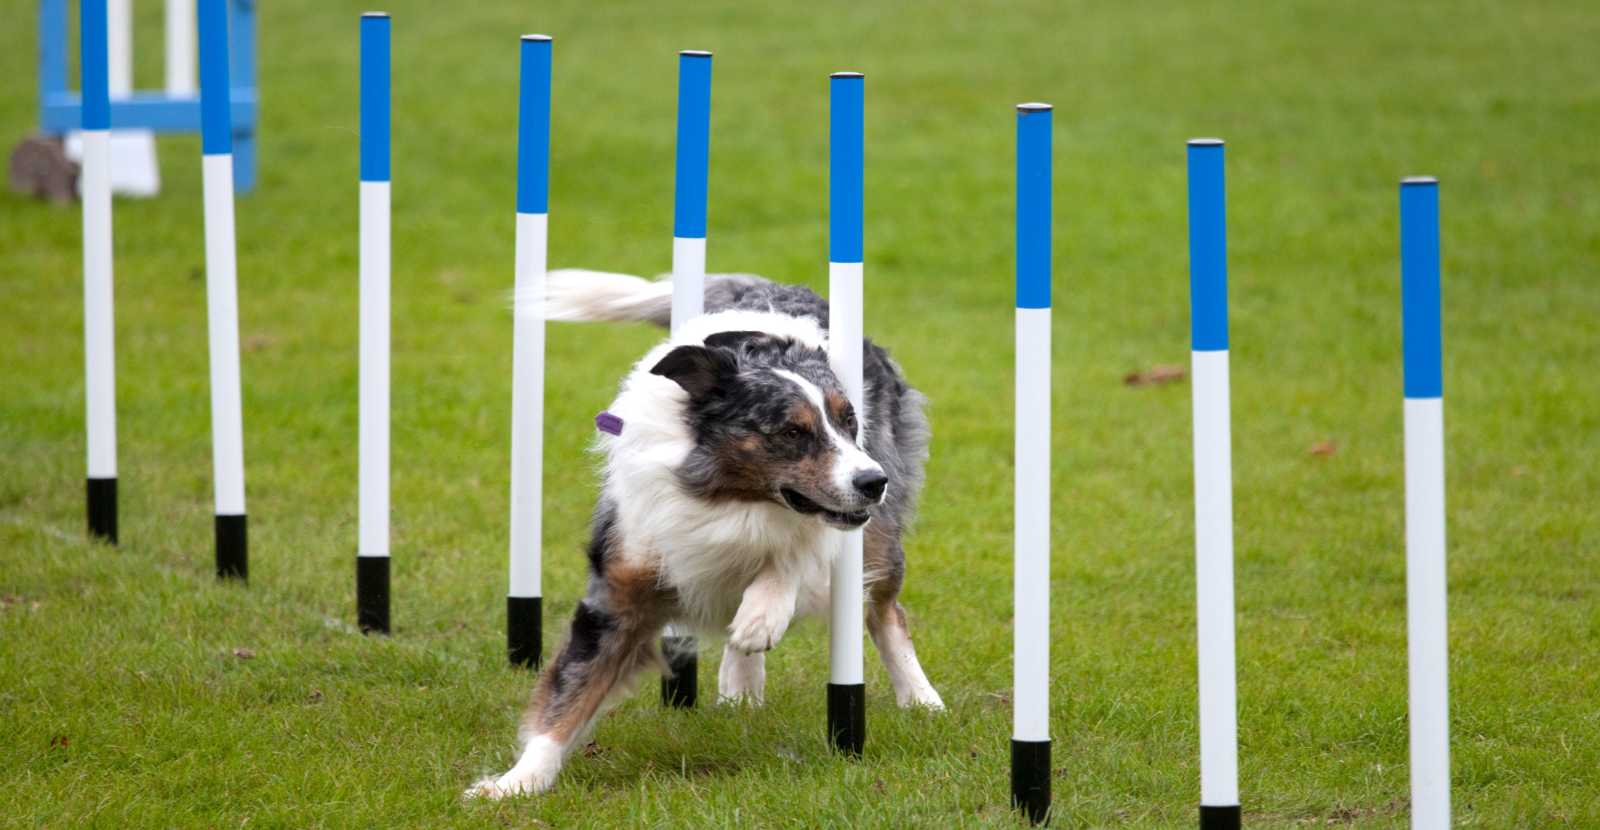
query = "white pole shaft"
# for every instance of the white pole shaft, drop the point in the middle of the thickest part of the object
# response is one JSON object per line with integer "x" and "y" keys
{"x": 1213, "y": 522}
{"x": 1031, "y": 578}
{"x": 373, "y": 514}
{"x": 527, "y": 406}
{"x": 222, "y": 321}
{"x": 119, "y": 46}
{"x": 845, "y": 312}
{"x": 1427, "y": 623}
{"x": 688, "y": 280}
{"x": 98, "y": 320}
{"x": 180, "y": 48}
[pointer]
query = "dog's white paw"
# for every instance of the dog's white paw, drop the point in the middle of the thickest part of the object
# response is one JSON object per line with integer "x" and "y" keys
{"x": 925, "y": 697}
{"x": 743, "y": 677}
{"x": 757, "y": 627}
{"x": 534, "y": 773}
{"x": 496, "y": 787}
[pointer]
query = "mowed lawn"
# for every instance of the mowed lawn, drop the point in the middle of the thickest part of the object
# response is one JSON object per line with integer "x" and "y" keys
{"x": 123, "y": 700}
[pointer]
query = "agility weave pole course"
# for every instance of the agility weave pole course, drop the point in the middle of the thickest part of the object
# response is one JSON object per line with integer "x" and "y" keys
{"x": 1320, "y": 708}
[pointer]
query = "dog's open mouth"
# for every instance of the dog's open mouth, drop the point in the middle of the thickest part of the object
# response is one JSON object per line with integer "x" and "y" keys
{"x": 801, "y": 504}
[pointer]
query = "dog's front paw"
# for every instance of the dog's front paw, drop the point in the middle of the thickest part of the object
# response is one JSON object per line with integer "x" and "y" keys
{"x": 757, "y": 627}
{"x": 491, "y": 788}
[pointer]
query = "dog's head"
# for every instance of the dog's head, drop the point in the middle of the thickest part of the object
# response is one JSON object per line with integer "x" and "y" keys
{"x": 771, "y": 423}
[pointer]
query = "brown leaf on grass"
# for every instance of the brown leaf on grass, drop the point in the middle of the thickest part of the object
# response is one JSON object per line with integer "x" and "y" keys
{"x": 7, "y": 601}
{"x": 878, "y": 785}
{"x": 35, "y": 605}
{"x": 59, "y": 740}
{"x": 1323, "y": 449}
{"x": 1156, "y": 376}
{"x": 315, "y": 696}
{"x": 259, "y": 342}
{"x": 593, "y": 749}
{"x": 241, "y": 653}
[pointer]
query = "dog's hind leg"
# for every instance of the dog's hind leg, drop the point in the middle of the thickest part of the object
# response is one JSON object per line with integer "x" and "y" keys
{"x": 594, "y": 668}
{"x": 886, "y": 620}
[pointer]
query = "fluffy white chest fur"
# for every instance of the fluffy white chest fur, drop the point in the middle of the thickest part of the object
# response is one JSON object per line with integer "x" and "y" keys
{"x": 709, "y": 553}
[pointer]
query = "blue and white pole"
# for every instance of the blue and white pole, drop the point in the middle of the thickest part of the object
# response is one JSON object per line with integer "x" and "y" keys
{"x": 1213, "y": 487}
{"x": 847, "y": 691}
{"x": 1427, "y": 623}
{"x": 222, "y": 291}
{"x": 1030, "y": 736}
{"x": 372, "y": 553}
{"x": 688, "y": 293}
{"x": 524, "y": 600}
{"x": 99, "y": 345}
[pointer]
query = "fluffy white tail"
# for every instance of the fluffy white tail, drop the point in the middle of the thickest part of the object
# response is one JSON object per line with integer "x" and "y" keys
{"x": 576, "y": 295}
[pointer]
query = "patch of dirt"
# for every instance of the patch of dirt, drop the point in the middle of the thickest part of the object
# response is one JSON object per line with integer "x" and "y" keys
{"x": 1156, "y": 376}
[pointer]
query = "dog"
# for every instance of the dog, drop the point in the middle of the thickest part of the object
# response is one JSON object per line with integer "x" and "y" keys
{"x": 735, "y": 465}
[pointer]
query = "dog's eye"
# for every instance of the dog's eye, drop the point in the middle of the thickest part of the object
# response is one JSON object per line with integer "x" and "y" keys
{"x": 793, "y": 433}
{"x": 850, "y": 423}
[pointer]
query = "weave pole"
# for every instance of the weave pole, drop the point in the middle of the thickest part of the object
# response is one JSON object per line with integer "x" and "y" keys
{"x": 524, "y": 600}
{"x": 99, "y": 327}
{"x": 222, "y": 292}
{"x": 1427, "y": 622}
{"x": 847, "y": 690}
{"x": 681, "y": 686}
{"x": 372, "y": 553}
{"x": 1030, "y": 736}
{"x": 1213, "y": 487}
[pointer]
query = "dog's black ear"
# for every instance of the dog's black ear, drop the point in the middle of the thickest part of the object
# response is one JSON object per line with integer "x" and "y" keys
{"x": 702, "y": 372}
{"x": 733, "y": 339}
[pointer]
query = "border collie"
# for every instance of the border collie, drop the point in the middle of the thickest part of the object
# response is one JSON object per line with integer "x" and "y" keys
{"x": 737, "y": 463}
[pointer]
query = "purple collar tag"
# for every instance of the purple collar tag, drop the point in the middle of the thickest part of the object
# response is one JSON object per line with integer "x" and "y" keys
{"x": 606, "y": 422}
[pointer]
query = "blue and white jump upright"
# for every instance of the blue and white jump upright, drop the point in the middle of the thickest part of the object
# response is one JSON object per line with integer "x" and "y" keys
{"x": 372, "y": 552}
{"x": 1427, "y": 621}
{"x": 1030, "y": 657}
{"x": 1213, "y": 487}
{"x": 524, "y": 600}
{"x": 847, "y": 691}
{"x": 681, "y": 687}
{"x": 222, "y": 292}
{"x": 99, "y": 340}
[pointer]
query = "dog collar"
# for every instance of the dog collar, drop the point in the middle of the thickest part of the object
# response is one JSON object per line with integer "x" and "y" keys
{"x": 606, "y": 422}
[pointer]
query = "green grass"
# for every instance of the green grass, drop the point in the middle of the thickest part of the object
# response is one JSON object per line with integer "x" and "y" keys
{"x": 121, "y": 704}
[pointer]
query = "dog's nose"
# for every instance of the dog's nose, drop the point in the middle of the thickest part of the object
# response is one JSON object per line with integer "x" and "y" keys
{"x": 870, "y": 483}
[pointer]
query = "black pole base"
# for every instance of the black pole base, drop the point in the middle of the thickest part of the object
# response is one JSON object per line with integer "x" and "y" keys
{"x": 1220, "y": 818}
{"x": 233, "y": 549}
{"x": 103, "y": 509}
{"x": 372, "y": 594}
{"x": 680, "y": 689}
{"x": 847, "y": 717}
{"x": 525, "y": 631}
{"x": 1030, "y": 778}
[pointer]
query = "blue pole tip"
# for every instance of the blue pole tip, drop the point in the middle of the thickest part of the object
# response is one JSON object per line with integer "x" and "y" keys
{"x": 374, "y": 14}
{"x": 537, "y": 38}
{"x": 695, "y": 53}
{"x": 1419, "y": 180}
{"x": 1205, "y": 142}
{"x": 1027, "y": 108}
{"x": 847, "y": 75}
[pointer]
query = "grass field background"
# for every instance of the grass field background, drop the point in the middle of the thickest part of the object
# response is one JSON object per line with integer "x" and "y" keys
{"x": 122, "y": 703}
